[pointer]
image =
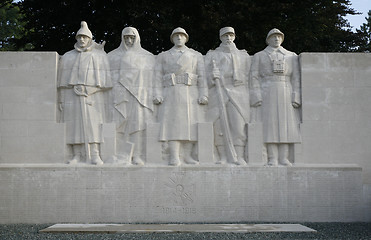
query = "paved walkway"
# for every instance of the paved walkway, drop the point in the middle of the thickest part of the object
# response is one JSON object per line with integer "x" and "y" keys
{"x": 174, "y": 228}
{"x": 351, "y": 231}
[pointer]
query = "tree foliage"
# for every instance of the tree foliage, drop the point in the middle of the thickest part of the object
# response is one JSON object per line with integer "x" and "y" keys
{"x": 11, "y": 26}
{"x": 309, "y": 25}
{"x": 365, "y": 35}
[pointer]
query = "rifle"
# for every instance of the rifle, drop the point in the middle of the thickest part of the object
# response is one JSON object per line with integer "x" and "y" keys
{"x": 227, "y": 137}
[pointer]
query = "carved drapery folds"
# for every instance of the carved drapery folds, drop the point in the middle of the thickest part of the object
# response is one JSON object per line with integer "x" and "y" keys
{"x": 173, "y": 93}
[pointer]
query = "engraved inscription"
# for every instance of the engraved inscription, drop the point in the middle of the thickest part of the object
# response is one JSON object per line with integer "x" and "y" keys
{"x": 178, "y": 210}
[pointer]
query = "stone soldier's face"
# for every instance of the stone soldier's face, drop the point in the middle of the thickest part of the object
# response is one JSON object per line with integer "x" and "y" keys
{"x": 83, "y": 41}
{"x": 275, "y": 40}
{"x": 179, "y": 39}
{"x": 129, "y": 40}
{"x": 228, "y": 38}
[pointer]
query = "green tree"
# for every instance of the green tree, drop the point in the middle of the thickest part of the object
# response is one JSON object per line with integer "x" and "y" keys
{"x": 11, "y": 26}
{"x": 308, "y": 25}
{"x": 365, "y": 35}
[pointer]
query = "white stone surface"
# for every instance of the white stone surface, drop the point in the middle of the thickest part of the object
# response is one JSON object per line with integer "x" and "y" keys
{"x": 336, "y": 95}
{"x": 29, "y": 132}
{"x": 154, "y": 147}
{"x": 336, "y": 112}
{"x": 121, "y": 194}
{"x": 141, "y": 228}
{"x": 205, "y": 143}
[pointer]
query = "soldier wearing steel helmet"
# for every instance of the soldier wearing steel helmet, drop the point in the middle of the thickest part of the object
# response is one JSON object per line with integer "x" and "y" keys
{"x": 275, "y": 87}
{"x": 180, "y": 90}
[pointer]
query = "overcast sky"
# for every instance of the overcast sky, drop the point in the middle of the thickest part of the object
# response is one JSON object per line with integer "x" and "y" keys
{"x": 362, "y": 6}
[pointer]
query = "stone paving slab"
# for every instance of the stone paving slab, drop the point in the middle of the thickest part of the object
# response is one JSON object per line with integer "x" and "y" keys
{"x": 141, "y": 228}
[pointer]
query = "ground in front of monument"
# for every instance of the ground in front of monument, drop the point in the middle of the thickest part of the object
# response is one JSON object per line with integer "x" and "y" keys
{"x": 322, "y": 231}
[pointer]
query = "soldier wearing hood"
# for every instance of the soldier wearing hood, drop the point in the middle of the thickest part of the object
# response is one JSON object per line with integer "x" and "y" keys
{"x": 82, "y": 78}
{"x": 231, "y": 66}
{"x": 180, "y": 87}
{"x": 132, "y": 70}
{"x": 275, "y": 87}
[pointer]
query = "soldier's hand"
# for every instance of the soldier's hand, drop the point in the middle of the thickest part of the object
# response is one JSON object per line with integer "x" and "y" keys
{"x": 203, "y": 100}
{"x": 257, "y": 104}
{"x": 237, "y": 83}
{"x": 61, "y": 107}
{"x": 157, "y": 100}
{"x": 216, "y": 73}
{"x": 80, "y": 88}
{"x": 295, "y": 104}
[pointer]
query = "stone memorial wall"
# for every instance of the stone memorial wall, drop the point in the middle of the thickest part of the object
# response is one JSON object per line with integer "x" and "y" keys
{"x": 180, "y": 137}
{"x": 30, "y": 132}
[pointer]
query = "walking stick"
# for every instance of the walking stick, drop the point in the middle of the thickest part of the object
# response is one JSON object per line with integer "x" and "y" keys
{"x": 227, "y": 137}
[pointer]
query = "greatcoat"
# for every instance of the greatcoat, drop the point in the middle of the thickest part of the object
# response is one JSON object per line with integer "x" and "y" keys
{"x": 275, "y": 76}
{"x": 234, "y": 66}
{"x": 180, "y": 81}
{"x": 82, "y": 78}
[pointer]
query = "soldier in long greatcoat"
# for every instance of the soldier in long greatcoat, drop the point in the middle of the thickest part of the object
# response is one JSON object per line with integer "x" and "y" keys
{"x": 180, "y": 87}
{"x": 233, "y": 66}
{"x": 83, "y": 76}
{"x": 275, "y": 86}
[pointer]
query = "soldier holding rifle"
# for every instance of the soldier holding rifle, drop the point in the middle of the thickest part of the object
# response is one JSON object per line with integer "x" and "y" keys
{"x": 228, "y": 69}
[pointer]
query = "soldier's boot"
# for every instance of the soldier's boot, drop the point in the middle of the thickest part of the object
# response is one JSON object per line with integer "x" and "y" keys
{"x": 187, "y": 149}
{"x": 284, "y": 155}
{"x": 240, "y": 150}
{"x": 138, "y": 145}
{"x": 94, "y": 153}
{"x": 174, "y": 147}
{"x": 76, "y": 149}
{"x": 272, "y": 150}
{"x": 138, "y": 156}
{"x": 137, "y": 160}
{"x": 122, "y": 158}
{"x": 222, "y": 155}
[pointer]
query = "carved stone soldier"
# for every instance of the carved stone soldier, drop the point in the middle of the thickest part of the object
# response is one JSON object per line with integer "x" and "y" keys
{"x": 132, "y": 69}
{"x": 83, "y": 76}
{"x": 231, "y": 66}
{"x": 180, "y": 88}
{"x": 276, "y": 88}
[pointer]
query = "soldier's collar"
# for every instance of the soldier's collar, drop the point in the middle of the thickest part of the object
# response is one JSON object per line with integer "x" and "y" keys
{"x": 270, "y": 49}
{"x": 176, "y": 50}
{"x": 227, "y": 48}
{"x": 86, "y": 49}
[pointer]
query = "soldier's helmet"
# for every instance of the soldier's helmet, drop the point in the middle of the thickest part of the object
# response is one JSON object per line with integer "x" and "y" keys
{"x": 179, "y": 30}
{"x": 84, "y": 30}
{"x": 274, "y": 31}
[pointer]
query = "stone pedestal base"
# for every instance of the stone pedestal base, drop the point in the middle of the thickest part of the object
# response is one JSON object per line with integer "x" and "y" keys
{"x": 130, "y": 194}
